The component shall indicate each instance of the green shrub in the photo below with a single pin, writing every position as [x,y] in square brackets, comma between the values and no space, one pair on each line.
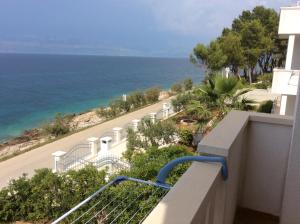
[152,94]
[181,101]
[137,99]
[265,107]
[149,135]
[264,81]
[186,136]
[47,195]
[59,126]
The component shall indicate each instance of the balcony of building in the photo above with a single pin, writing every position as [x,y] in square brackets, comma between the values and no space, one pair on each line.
[257,149]
[289,17]
[285,81]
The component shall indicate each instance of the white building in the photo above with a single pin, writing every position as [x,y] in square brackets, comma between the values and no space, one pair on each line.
[285,80]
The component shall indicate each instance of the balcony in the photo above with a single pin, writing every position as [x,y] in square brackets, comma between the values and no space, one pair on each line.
[289,17]
[285,81]
[256,147]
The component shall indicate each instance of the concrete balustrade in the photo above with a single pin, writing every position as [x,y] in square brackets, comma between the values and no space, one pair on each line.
[93,142]
[57,158]
[117,134]
[105,144]
[166,110]
[153,117]
[135,124]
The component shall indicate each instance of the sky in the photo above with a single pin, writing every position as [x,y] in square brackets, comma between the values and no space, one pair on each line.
[156,28]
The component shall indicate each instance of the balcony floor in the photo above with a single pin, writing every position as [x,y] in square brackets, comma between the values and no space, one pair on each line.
[247,216]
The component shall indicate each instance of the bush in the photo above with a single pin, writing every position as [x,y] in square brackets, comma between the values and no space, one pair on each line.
[149,135]
[152,94]
[264,81]
[266,107]
[188,84]
[137,99]
[59,126]
[47,195]
[181,101]
[186,136]
[176,88]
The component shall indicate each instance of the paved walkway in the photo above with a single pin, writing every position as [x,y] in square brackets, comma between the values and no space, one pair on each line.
[41,157]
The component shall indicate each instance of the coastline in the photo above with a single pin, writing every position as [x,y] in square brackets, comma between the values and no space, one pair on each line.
[34,138]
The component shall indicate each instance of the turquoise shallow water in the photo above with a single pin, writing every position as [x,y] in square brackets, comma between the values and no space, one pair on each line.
[35,87]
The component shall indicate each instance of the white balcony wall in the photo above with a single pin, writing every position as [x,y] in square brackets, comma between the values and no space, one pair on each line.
[285,81]
[256,147]
[289,21]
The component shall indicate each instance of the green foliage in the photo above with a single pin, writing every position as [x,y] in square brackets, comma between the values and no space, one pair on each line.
[152,94]
[181,101]
[59,126]
[265,107]
[149,135]
[210,56]
[198,110]
[232,47]
[137,99]
[176,88]
[252,40]
[186,136]
[147,164]
[188,84]
[47,195]
[264,81]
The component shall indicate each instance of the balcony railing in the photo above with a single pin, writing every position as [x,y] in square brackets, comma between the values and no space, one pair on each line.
[285,81]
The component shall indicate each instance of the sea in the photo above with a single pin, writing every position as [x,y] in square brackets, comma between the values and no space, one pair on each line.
[33,88]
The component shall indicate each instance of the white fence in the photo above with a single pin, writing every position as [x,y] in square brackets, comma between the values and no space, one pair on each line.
[99,150]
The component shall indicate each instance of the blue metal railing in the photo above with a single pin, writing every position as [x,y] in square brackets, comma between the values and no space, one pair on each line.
[159,183]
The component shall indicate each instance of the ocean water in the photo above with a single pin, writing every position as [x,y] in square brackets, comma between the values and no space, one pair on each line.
[35,87]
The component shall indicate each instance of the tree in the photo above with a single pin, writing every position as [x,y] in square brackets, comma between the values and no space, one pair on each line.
[252,40]
[253,43]
[232,47]
[211,56]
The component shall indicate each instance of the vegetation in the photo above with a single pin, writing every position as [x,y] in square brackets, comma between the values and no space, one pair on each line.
[176,88]
[264,81]
[134,101]
[265,107]
[149,135]
[186,136]
[48,195]
[188,84]
[252,40]
[59,126]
